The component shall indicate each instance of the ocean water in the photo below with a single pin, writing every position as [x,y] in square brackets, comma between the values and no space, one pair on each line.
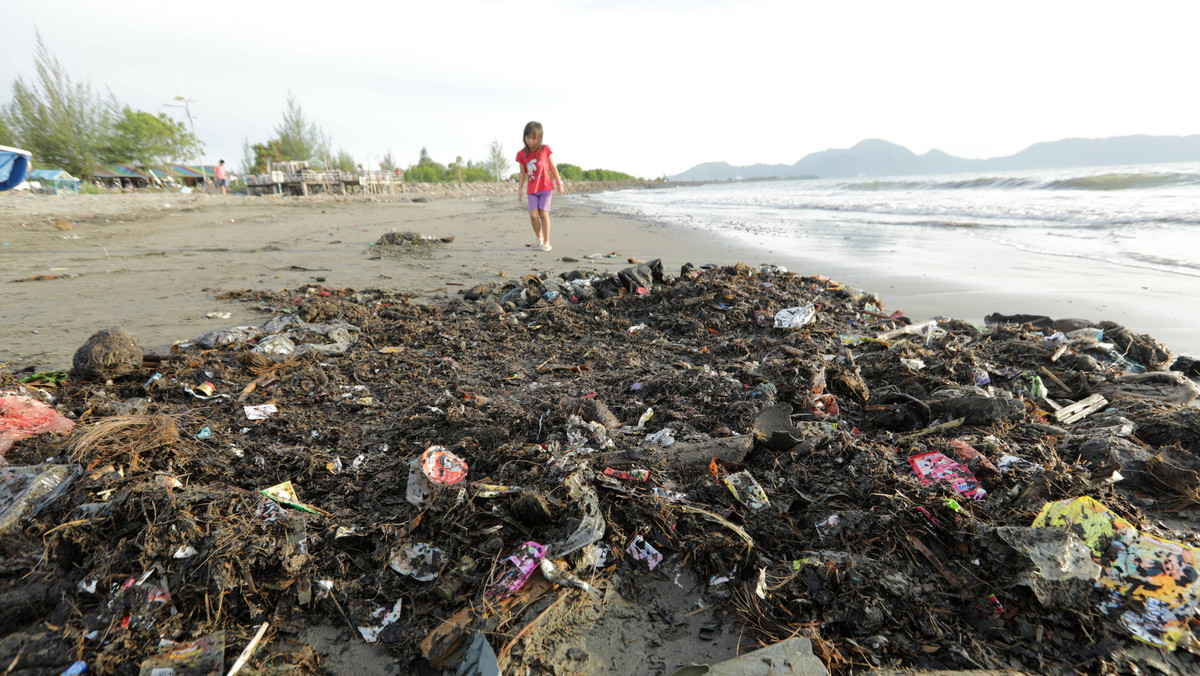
[1140,216]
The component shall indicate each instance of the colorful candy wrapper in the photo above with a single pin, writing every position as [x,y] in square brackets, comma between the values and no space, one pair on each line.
[517,569]
[631,475]
[934,466]
[442,466]
[641,550]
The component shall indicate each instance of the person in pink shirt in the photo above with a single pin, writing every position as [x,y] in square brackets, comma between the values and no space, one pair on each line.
[540,176]
[222,176]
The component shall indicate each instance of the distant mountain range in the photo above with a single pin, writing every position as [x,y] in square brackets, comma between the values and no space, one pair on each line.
[876,157]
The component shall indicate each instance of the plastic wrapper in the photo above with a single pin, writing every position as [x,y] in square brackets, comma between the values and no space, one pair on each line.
[203,657]
[517,568]
[794,317]
[22,416]
[435,467]
[747,491]
[285,494]
[442,466]
[591,520]
[1151,583]
[631,475]
[381,618]
[641,550]
[260,412]
[934,467]
[419,561]
[554,574]
[663,437]
[25,490]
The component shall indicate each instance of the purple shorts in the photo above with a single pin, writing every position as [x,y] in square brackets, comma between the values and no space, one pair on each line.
[540,201]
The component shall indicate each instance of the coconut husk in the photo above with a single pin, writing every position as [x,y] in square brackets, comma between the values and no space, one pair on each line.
[123,440]
[108,353]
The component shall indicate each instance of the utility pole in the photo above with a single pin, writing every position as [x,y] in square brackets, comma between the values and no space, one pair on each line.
[192,122]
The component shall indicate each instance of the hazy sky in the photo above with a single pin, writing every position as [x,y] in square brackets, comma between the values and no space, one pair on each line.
[649,88]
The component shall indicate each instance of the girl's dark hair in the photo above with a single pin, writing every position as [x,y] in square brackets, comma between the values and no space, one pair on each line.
[533,129]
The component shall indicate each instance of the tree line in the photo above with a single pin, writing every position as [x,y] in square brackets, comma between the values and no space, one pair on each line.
[570,172]
[494,168]
[68,125]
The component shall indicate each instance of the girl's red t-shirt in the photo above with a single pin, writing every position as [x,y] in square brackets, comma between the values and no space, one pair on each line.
[538,169]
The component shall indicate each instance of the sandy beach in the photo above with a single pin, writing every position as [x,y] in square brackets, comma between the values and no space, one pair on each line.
[155,264]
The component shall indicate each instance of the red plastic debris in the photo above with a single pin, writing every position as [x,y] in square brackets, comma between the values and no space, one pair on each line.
[22,416]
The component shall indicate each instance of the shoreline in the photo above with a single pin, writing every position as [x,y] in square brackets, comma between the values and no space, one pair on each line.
[155,264]
[954,274]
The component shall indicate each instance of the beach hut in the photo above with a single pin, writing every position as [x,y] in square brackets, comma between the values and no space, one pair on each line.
[120,176]
[188,175]
[50,181]
[14,164]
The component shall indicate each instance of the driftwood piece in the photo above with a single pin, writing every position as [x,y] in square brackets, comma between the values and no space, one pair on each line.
[1081,409]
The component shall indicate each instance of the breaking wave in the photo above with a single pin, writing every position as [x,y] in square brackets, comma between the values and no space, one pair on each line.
[1107,181]
[1145,216]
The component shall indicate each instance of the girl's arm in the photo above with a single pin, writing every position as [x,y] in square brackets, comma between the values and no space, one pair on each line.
[562,187]
[521,187]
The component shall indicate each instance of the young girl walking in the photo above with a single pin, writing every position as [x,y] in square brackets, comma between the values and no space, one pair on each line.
[539,174]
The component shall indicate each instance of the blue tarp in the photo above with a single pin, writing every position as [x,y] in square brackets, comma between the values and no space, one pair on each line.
[51,174]
[53,180]
[13,166]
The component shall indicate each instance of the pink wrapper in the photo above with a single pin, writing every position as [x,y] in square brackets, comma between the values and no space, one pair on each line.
[517,569]
[931,467]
